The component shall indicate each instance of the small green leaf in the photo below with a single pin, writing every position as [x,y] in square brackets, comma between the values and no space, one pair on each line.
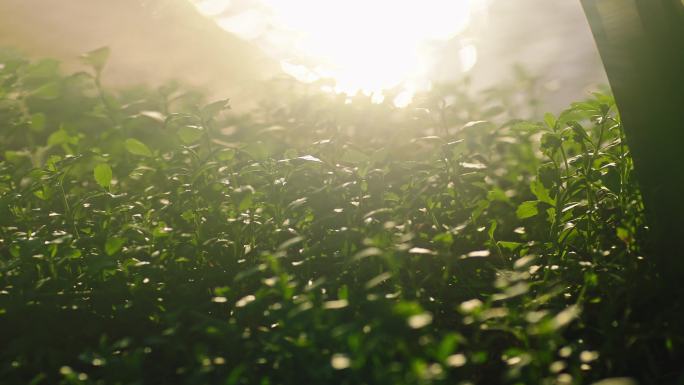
[448,345]
[38,122]
[61,137]
[526,127]
[509,245]
[541,192]
[258,150]
[551,141]
[162,230]
[497,194]
[17,156]
[245,202]
[527,209]
[43,70]
[96,58]
[113,245]
[578,130]
[212,109]
[226,154]
[407,308]
[48,91]
[492,229]
[103,175]
[623,234]
[190,134]
[352,155]
[343,292]
[550,120]
[445,238]
[136,147]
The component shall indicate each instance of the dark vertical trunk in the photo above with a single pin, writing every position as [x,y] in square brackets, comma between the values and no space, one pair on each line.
[641,43]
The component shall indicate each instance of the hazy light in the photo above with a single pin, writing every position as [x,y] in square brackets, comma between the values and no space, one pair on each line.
[364,45]
[404,98]
[468,56]
[212,7]
[249,24]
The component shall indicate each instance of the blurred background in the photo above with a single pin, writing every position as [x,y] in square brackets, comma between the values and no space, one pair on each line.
[361,46]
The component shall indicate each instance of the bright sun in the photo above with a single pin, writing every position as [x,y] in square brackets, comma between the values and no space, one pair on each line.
[363,45]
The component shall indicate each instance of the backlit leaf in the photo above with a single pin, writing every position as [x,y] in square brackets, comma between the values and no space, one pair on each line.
[96,58]
[190,134]
[114,245]
[103,175]
[137,147]
[527,209]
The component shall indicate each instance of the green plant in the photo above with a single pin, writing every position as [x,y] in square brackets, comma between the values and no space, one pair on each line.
[149,237]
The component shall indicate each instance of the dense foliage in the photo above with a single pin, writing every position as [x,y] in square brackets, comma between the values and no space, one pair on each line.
[149,237]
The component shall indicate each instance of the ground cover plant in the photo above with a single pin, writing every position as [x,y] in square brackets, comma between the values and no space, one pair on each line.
[151,236]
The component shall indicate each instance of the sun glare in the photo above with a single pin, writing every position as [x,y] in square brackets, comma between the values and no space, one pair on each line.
[365,46]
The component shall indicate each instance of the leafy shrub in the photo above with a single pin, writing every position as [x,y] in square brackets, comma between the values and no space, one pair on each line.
[149,237]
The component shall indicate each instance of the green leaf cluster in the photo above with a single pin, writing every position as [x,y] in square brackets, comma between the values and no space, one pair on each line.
[153,236]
